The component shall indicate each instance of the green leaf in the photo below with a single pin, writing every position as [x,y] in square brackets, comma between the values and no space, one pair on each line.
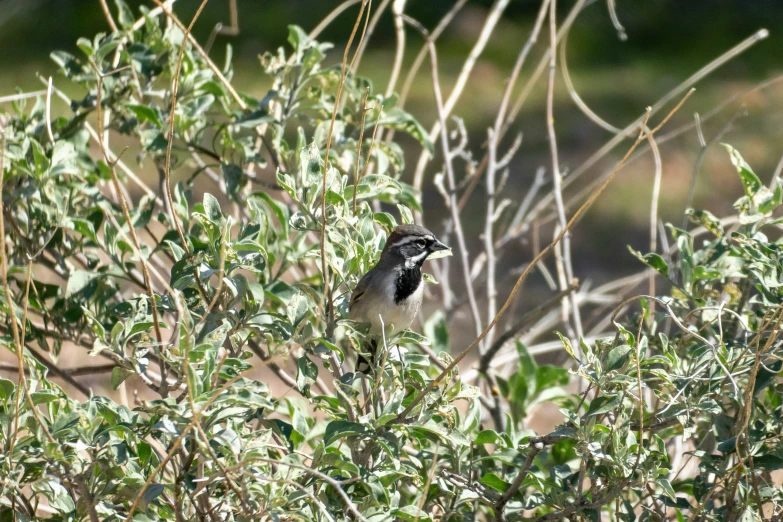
[617,357]
[198,106]
[125,15]
[750,181]
[145,114]
[728,445]
[702,272]
[493,481]
[398,119]
[306,374]
[667,487]
[768,462]
[766,376]
[406,216]
[212,208]
[44,396]
[6,388]
[412,513]
[603,405]
[152,492]
[234,179]
[567,346]
[182,273]
[707,220]
[118,376]
[143,212]
[548,376]
[653,260]
[78,281]
[339,429]
[527,364]
[297,37]
[487,437]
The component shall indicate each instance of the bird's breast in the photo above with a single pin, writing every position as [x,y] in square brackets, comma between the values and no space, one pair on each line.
[408,283]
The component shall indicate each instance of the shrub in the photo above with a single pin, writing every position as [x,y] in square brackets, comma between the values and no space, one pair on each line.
[179,292]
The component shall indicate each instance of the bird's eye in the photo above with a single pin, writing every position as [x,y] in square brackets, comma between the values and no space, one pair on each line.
[420,243]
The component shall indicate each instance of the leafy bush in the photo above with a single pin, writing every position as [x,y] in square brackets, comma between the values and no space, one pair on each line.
[178,292]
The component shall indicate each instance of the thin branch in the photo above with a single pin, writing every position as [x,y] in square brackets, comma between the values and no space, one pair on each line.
[518,285]
[64,375]
[705,145]
[172,120]
[545,202]
[10,302]
[399,27]
[359,148]
[126,213]
[178,441]
[367,32]
[280,372]
[21,96]
[49,112]
[448,166]
[419,60]
[621,34]
[338,486]
[328,19]
[329,305]
[500,505]
[109,17]
[656,192]
[491,21]
[531,317]
[565,268]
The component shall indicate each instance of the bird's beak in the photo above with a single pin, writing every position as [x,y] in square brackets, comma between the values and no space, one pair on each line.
[438,250]
[437,246]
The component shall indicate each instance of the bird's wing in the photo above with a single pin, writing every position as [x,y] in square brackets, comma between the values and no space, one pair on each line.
[358,292]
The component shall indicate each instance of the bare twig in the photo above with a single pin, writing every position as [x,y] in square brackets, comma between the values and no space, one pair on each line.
[448,165]
[21,96]
[109,17]
[524,321]
[419,60]
[397,9]
[705,145]
[328,19]
[172,120]
[359,149]
[621,34]
[500,119]
[732,53]
[49,111]
[656,192]
[517,287]
[486,31]
[328,304]
[565,268]
[126,214]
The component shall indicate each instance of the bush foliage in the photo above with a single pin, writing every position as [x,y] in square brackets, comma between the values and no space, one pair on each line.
[183,292]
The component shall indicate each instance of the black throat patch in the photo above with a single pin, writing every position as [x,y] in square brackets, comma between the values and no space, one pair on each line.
[408,281]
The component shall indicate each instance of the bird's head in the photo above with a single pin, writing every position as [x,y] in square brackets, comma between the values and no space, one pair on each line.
[412,243]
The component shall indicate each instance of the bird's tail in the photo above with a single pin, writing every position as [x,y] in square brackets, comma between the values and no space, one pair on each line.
[363,364]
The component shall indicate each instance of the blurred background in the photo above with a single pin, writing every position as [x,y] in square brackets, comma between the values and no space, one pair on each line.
[616,74]
[667,41]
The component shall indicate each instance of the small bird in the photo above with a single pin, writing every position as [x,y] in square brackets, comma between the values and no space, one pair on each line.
[392,289]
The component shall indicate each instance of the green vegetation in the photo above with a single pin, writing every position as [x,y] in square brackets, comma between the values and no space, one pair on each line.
[186,288]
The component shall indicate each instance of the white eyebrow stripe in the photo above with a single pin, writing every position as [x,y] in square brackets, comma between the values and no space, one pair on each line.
[410,239]
[405,241]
